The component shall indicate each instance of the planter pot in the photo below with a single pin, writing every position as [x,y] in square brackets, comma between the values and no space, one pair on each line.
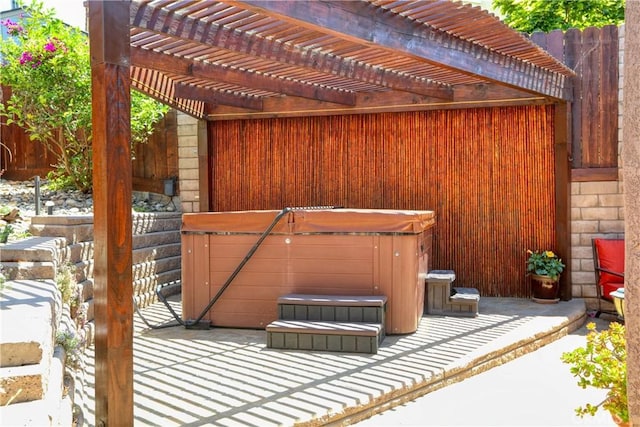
[619,422]
[618,301]
[544,289]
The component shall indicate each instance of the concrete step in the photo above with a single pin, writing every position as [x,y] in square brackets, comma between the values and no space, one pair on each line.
[29,312]
[53,409]
[324,336]
[79,228]
[33,249]
[28,270]
[74,229]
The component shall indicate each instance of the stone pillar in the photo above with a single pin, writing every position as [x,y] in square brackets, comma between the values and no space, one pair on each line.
[188,163]
[631,173]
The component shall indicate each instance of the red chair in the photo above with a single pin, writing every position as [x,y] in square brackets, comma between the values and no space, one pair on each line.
[608,260]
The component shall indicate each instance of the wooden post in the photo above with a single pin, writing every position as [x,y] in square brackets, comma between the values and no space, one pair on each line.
[111,102]
[563,195]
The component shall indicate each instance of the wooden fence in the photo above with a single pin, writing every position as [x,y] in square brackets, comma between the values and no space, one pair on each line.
[153,162]
[157,159]
[593,55]
[487,173]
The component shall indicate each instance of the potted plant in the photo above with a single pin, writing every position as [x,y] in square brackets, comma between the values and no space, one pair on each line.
[602,363]
[545,268]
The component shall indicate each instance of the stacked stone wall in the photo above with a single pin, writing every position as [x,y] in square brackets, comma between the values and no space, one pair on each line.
[189,179]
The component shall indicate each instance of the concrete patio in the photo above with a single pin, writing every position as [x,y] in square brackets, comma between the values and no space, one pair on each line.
[228,377]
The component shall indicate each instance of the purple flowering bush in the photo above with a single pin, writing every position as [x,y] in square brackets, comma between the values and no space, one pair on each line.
[46,65]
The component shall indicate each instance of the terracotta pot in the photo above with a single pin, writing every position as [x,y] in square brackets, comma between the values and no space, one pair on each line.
[619,422]
[544,289]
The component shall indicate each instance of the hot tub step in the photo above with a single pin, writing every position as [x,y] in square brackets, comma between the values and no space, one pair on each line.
[444,299]
[325,336]
[332,308]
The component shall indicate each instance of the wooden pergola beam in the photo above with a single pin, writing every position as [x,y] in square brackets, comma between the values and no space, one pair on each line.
[215,97]
[112,183]
[467,96]
[145,58]
[362,22]
[161,21]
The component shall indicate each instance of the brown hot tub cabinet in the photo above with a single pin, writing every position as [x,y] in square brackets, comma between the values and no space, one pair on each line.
[326,252]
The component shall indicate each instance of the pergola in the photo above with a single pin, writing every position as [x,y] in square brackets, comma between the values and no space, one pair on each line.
[220,60]
[240,59]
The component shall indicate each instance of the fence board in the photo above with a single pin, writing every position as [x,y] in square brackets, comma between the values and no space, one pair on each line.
[487,173]
[593,55]
[154,161]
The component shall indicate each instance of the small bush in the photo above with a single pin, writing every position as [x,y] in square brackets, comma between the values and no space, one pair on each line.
[67,284]
[602,363]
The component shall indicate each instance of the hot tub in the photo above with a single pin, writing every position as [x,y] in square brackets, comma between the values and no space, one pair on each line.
[328,252]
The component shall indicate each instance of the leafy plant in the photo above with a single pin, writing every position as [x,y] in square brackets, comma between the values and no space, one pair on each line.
[544,263]
[3,278]
[46,65]
[4,234]
[67,284]
[602,363]
[547,15]
[72,347]
[22,234]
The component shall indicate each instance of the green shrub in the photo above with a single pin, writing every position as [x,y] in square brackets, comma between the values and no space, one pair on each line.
[602,363]
[5,232]
[67,284]
[46,64]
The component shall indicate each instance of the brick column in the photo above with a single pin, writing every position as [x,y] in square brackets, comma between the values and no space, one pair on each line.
[188,163]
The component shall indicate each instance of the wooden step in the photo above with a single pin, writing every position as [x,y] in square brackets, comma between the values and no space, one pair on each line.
[325,336]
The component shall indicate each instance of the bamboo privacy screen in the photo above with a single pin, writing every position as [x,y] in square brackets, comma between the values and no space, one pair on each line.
[487,173]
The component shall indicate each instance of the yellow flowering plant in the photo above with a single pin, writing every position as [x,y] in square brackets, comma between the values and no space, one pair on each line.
[602,363]
[544,263]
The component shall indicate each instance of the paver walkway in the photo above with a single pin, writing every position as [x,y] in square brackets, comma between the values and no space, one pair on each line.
[228,377]
[536,389]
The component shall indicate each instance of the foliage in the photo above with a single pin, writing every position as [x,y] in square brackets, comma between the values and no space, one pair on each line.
[547,15]
[4,233]
[602,364]
[22,235]
[544,263]
[67,284]
[46,64]
[72,345]
[3,278]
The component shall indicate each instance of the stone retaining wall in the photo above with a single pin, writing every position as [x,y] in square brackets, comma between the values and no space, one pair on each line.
[33,263]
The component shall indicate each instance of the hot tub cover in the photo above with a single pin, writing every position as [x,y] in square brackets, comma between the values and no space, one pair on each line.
[311,221]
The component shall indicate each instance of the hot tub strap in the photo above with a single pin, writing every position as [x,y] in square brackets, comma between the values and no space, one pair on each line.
[247,257]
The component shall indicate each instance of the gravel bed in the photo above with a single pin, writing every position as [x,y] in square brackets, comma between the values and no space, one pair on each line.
[20,195]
